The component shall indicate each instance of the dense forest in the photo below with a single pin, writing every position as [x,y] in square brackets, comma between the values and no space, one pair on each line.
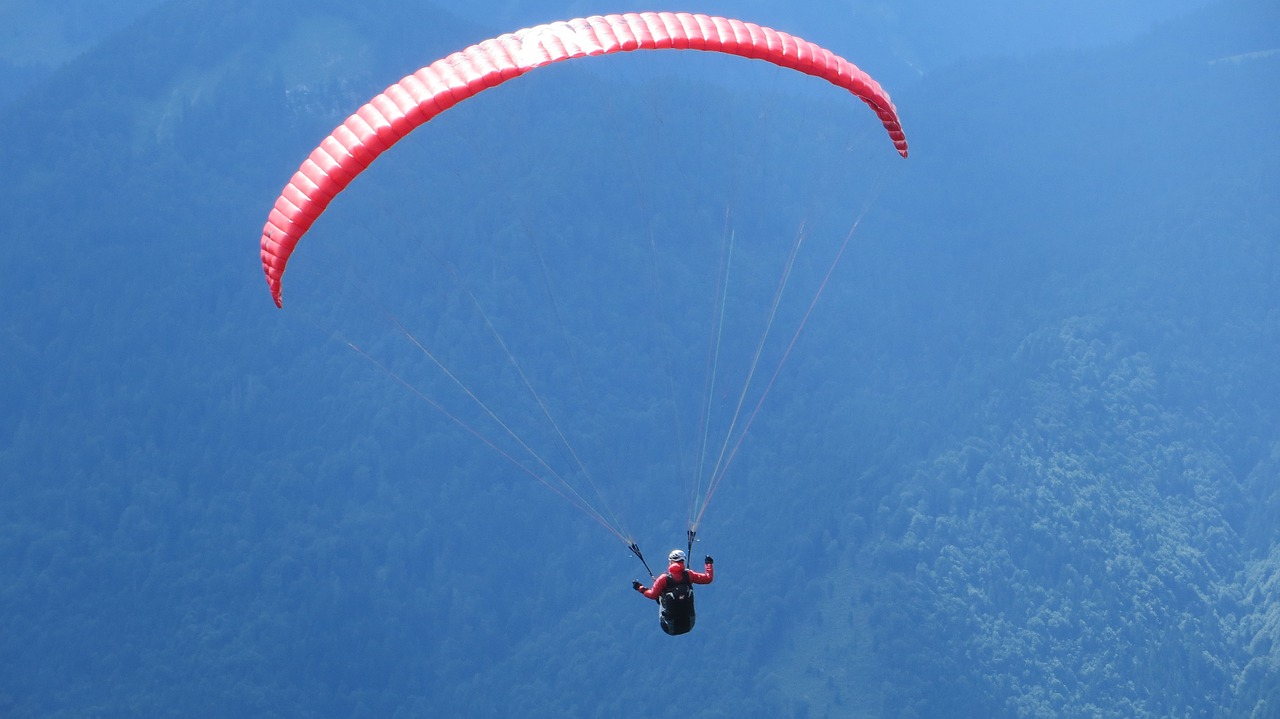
[1024,460]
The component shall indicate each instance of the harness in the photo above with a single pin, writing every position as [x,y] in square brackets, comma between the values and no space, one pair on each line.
[677,593]
[676,612]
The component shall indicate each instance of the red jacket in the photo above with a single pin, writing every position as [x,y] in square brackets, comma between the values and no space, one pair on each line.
[677,572]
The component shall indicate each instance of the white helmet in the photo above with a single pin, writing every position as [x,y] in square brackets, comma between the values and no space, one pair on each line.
[677,555]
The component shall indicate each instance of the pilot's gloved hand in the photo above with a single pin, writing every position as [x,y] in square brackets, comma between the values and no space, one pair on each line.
[637,586]
[709,560]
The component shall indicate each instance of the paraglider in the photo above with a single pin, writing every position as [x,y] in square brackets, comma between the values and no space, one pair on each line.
[417,98]
[673,590]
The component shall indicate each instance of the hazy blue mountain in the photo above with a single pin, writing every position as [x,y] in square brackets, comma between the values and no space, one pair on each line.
[36,37]
[1023,460]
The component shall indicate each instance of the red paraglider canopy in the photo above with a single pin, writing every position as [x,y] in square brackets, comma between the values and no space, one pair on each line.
[416,99]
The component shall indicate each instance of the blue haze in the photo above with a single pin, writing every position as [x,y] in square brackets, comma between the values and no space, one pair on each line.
[1024,460]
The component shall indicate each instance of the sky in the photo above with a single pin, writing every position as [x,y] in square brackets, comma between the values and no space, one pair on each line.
[45,33]
[899,40]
